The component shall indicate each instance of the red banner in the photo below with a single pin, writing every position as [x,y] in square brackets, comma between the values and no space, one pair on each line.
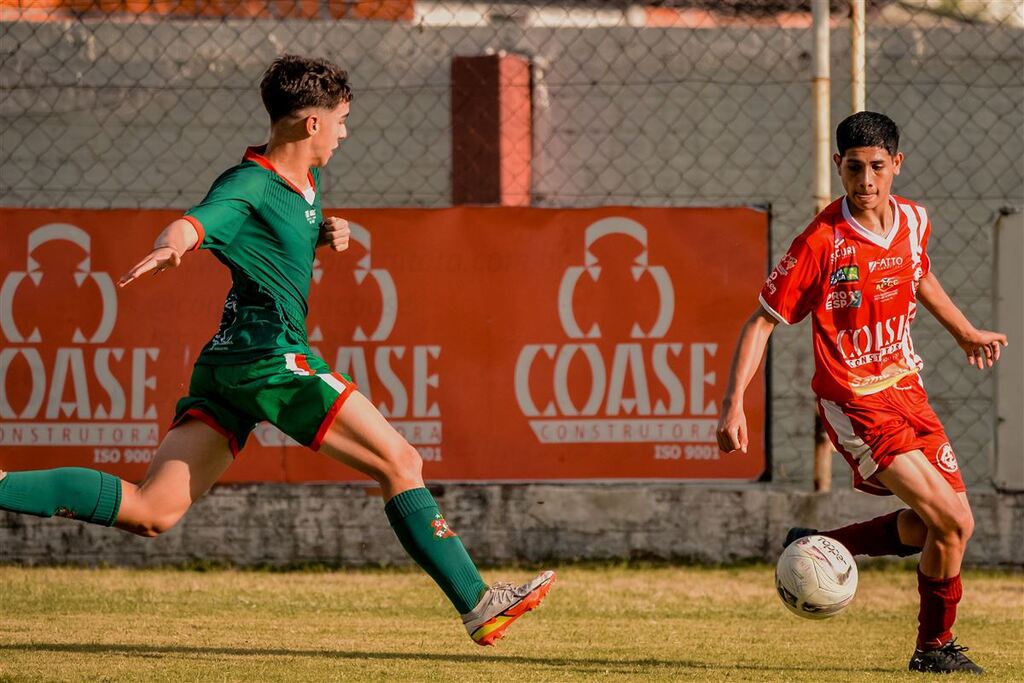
[506,344]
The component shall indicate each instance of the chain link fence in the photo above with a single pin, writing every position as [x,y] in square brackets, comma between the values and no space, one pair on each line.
[135,103]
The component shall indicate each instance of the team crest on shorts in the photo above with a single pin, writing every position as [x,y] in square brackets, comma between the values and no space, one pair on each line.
[442,530]
[947,459]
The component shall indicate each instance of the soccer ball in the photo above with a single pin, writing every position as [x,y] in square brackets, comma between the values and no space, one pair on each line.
[816,577]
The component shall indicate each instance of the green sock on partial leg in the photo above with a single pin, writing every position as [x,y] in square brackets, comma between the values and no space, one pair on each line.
[74,492]
[429,540]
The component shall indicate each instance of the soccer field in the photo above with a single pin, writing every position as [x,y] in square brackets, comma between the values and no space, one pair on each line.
[603,623]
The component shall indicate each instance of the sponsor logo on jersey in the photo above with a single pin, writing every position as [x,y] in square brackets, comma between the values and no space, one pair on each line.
[311,216]
[786,264]
[947,459]
[887,263]
[843,298]
[843,252]
[887,283]
[872,343]
[844,274]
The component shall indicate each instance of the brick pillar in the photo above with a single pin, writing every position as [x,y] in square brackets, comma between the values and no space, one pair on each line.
[492,140]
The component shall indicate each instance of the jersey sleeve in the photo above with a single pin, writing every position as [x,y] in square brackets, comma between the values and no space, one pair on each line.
[794,285]
[234,196]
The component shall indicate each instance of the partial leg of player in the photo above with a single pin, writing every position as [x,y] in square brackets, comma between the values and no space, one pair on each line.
[947,517]
[187,463]
[361,438]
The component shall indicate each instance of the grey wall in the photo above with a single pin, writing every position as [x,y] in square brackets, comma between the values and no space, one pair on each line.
[286,524]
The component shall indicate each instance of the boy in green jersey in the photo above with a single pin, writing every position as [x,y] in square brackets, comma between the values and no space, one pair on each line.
[262,219]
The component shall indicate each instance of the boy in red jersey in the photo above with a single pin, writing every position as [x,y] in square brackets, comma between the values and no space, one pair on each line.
[859,269]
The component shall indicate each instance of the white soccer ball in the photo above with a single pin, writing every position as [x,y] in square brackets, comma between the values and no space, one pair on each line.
[816,577]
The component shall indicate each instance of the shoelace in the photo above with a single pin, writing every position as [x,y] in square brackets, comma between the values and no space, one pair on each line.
[953,650]
[505,586]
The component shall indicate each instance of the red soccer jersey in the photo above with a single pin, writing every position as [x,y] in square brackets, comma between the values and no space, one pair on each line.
[861,289]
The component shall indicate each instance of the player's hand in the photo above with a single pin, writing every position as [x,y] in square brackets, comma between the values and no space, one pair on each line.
[334,233]
[732,430]
[161,258]
[982,347]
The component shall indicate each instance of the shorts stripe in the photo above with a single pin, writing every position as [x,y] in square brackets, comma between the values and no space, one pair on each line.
[333,382]
[848,439]
[211,422]
[296,362]
[344,389]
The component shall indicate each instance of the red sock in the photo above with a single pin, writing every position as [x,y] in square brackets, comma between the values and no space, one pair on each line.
[939,598]
[875,537]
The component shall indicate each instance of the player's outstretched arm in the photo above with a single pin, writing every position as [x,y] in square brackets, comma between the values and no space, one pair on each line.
[732,426]
[334,233]
[173,242]
[981,346]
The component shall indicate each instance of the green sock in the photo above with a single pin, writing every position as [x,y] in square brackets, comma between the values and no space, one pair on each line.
[429,540]
[74,492]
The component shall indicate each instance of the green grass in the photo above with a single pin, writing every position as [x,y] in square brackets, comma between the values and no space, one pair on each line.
[599,623]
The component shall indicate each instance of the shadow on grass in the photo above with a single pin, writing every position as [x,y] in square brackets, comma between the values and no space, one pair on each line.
[581,664]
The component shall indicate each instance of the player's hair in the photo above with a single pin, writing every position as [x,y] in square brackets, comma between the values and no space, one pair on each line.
[292,83]
[868,129]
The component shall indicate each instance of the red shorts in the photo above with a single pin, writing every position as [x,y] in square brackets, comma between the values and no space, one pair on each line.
[872,430]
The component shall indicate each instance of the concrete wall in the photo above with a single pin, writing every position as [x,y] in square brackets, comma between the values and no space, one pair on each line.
[336,524]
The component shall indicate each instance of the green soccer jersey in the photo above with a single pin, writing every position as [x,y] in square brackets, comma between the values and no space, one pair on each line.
[264,229]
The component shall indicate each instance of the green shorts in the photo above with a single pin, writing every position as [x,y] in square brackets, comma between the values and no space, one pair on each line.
[296,393]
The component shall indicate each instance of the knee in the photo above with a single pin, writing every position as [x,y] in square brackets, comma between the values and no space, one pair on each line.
[954,526]
[403,462]
[153,525]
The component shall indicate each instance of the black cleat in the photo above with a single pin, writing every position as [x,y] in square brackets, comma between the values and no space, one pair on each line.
[797,532]
[949,658]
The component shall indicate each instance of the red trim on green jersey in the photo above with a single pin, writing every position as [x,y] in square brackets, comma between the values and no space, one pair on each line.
[350,388]
[199,230]
[255,155]
[211,422]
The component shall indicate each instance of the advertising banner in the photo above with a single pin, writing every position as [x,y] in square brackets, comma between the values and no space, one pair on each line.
[505,344]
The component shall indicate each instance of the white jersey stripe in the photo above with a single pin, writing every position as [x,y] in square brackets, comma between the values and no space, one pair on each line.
[848,439]
[912,225]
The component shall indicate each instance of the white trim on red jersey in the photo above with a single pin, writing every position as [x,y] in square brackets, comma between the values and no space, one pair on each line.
[775,314]
[882,241]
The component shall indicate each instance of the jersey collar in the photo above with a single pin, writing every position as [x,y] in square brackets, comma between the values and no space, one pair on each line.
[871,235]
[255,155]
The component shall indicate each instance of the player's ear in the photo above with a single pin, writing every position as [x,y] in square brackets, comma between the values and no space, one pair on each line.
[897,162]
[313,124]
[838,162]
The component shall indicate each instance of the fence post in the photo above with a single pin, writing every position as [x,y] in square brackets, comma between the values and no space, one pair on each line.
[858,59]
[1008,471]
[822,193]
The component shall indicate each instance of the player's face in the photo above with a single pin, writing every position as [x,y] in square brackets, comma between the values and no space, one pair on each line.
[867,174]
[328,129]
